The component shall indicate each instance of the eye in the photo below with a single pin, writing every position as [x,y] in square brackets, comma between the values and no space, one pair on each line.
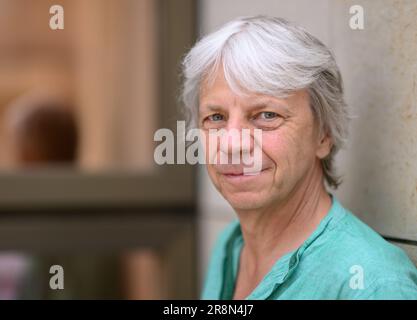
[267,120]
[215,117]
[215,120]
[267,115]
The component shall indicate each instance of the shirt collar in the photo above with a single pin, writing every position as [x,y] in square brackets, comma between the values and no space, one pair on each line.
[284,266]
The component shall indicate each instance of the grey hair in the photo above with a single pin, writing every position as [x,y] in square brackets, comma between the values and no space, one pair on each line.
[271,56]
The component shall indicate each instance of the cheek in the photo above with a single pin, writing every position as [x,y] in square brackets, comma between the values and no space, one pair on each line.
[288,149]
[276,147]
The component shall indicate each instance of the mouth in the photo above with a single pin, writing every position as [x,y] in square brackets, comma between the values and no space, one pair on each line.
[242,177]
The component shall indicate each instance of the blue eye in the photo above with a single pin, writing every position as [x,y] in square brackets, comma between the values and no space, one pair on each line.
[267,115]
[215,117]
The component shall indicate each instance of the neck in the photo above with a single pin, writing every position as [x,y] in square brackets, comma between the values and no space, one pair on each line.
[271,232]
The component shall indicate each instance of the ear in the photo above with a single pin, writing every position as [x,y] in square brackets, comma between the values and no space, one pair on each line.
[324,146]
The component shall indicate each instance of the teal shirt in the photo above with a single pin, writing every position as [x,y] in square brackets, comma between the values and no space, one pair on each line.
[342,259]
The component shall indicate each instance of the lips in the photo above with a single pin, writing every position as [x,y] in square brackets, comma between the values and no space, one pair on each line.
[230,170]
[236,171]
[243,181]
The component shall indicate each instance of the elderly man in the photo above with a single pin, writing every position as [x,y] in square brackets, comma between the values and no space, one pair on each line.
[292,239]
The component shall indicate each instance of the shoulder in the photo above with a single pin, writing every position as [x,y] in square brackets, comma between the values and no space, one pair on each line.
[386,288]
[223,238]
[214,274]
[364,263]
[360,243]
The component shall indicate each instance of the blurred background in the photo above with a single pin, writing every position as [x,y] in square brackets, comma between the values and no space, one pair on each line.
[78,110]
[78,184]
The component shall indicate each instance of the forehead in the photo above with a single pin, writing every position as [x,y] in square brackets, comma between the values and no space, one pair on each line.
[217,93]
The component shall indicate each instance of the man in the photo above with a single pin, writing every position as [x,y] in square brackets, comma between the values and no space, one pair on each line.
[292,238]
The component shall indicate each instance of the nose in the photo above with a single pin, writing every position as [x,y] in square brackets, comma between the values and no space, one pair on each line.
[235,141]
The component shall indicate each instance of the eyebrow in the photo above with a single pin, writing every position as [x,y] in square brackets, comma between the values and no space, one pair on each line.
[264,103]
[213,107]
[257,105]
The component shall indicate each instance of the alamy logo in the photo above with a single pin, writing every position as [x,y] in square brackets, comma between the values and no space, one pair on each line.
[215,146]
[357,279]
[56,282]
[56,22]
[357,20]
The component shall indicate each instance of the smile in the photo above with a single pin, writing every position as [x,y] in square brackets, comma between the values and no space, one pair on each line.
[238,178]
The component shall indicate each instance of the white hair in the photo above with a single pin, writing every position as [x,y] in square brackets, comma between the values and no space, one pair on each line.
[271,56]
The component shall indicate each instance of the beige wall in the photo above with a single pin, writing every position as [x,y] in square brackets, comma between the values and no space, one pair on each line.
[379,66]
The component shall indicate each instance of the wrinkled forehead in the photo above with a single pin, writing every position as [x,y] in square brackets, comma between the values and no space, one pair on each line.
[217,84]
[216,92]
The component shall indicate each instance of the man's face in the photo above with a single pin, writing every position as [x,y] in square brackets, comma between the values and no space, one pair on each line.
[291,143]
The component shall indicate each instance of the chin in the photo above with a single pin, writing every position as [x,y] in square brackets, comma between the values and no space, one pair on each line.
[246,200]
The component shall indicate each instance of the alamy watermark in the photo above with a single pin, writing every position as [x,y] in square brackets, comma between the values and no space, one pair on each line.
[56,282]
[357,279]
[56,22]
[213,146]
[357,20]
